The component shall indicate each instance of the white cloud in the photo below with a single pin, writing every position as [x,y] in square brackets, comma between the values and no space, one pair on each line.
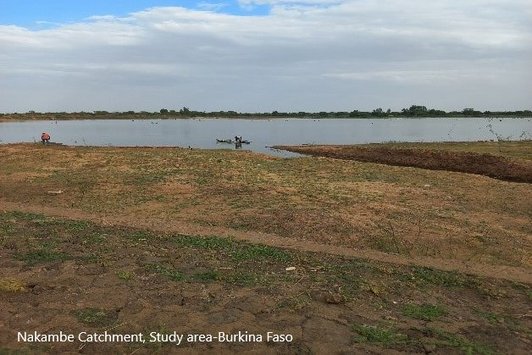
[304,55]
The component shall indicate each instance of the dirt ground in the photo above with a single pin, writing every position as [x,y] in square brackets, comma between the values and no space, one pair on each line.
[345,256]
[75,276]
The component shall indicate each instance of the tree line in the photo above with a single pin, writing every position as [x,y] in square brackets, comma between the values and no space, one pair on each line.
[185,112]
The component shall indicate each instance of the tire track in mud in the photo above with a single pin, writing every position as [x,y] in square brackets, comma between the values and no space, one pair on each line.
[510,273]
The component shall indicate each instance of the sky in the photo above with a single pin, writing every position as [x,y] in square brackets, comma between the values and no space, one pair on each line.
[264,55]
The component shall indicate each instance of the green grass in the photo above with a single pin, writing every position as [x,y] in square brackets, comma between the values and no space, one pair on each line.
[243,278]
[139,236]
[447,339]
[239,251]
[427,312]
[425,276]
[171,273]
[43,256]
[207,276]
[379,335]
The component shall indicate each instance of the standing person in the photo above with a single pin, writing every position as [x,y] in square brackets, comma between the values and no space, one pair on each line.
[45,138]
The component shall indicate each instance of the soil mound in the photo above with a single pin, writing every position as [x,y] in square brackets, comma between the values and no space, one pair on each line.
[493,166]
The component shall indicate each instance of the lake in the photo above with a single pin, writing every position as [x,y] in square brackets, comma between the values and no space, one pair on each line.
[202,133]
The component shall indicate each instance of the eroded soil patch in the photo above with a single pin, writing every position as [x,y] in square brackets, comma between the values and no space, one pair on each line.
[494,166]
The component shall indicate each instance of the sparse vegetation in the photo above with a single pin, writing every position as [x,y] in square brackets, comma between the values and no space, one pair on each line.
[379,335]
[170,253]
[426,312]
[96,317]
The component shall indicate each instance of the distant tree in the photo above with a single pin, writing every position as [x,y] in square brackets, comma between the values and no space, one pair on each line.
[415,110]
[163,111]
[378,112]
[471,112]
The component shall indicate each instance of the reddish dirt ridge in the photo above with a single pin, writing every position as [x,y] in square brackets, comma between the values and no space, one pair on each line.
[493,166]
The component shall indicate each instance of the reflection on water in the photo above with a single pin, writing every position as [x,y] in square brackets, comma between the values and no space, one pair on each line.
[203,133]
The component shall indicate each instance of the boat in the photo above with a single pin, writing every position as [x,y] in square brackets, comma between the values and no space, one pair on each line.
[231,141]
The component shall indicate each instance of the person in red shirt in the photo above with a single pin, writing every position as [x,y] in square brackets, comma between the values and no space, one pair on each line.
[45,138]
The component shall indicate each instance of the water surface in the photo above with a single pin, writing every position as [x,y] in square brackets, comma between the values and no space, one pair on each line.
[202,133]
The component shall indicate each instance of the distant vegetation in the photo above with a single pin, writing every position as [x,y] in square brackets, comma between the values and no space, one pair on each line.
[412,111]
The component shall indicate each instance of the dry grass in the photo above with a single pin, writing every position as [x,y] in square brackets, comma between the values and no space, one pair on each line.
[408,211]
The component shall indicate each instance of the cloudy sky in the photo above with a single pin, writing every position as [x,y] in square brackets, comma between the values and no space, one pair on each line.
[265,55]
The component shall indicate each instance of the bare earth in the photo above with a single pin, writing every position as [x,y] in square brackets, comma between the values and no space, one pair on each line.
[371,245]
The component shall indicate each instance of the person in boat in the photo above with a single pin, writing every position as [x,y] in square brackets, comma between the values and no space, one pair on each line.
[45,138]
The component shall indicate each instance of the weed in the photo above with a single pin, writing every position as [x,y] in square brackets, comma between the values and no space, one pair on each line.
[455,341]
[166,271]
[77,226]
[124,275]
[207,276]
[387,241]
[254,252]
[295,303]
[95,238]
[239,251]
[424,275]
[43,256]
[427,312]
[379,335]
[242,278]
[96,317]
[139,236]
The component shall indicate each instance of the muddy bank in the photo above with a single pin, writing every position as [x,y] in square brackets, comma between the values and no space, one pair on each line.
[498,167]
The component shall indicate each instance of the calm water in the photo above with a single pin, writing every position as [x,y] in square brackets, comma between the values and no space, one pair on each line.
[202,133]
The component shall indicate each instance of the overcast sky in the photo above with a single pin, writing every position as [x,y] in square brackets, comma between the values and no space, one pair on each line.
[265,55]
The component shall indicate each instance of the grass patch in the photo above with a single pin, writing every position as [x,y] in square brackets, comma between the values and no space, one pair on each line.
[455,341]
[243,278]
[424,275]
[124,275]
[96,317]
[171,273]
[76,226]
[139,236]
[207,276]
[427,312]
[239,251]
[43,256]
[95,238]
[379,335]
[254,252]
